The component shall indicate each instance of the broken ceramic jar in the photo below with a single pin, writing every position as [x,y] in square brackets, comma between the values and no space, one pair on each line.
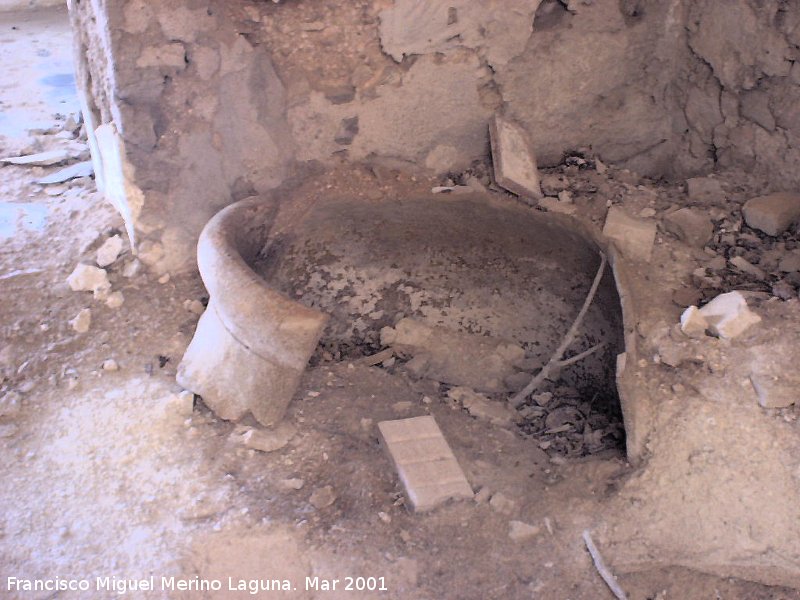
[252,343]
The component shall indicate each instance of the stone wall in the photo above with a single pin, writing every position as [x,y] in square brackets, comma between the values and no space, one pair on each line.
[740,87]
[203,103]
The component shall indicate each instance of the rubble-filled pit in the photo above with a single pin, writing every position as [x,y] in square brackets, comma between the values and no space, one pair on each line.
[470,291]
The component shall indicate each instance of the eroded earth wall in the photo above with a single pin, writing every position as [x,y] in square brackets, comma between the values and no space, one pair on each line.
[214,101]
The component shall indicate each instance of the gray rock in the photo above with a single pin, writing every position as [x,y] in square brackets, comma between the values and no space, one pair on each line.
[481,407]
[745,266]
[773,214]
[689,225]
[268,440]
[553,183]
[520,531]
[322,497]
[703,190]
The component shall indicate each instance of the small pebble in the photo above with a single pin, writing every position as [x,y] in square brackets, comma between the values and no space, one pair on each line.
[110,365]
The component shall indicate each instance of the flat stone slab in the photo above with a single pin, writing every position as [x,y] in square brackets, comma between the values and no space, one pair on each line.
[513,159]
[427,466]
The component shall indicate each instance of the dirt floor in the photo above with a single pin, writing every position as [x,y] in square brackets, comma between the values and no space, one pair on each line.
[106,475]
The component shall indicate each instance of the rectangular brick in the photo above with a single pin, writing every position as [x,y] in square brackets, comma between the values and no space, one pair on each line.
[425,463]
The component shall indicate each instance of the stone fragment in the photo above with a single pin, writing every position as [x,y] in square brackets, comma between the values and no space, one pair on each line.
[450,356]
[483,495]
[783,290]
[110,365]
[481,407]
[115,300]
[109,252]
[553,183]
[647,212]
[150,252]
[322,497]
[689,225]
[87,278]
[502,504]
[634,237]
[693,323]
[82,321]
[771,392]
[790,263]
[702,190]
[41,159]
[81,169]
[514,161]
[520,531]
[774,213]
[728,315]
[743,265]
[10,404]
[182,403]
[425,463]
[7,430]
[442,158]
[556,206]
[294,483]
[268,440]
[194,306]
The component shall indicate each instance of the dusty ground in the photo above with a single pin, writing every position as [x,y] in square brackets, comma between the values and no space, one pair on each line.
[103,476]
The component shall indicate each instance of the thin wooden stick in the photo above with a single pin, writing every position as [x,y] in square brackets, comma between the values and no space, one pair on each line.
[601,567]
[579,357]
[519,398]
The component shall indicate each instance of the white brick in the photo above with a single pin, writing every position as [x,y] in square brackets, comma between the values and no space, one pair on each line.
[425,463]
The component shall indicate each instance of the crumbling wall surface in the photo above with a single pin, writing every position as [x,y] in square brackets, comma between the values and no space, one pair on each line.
[417,80]
[740,88]
[598,76]
[196,112]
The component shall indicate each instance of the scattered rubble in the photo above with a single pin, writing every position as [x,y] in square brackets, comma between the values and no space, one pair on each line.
[432,353]
[322,497]
[81,169]
[481,407]
[515,166]
[83,321]
[194,306]
[108,253]
[689,225]
[41,159]
[773,214]
[115,300]
[502,504]
[88,278]
[294,483]
[520,531]
[728,315]
[266,440]
[705,190]
[427,467]
[183,403]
